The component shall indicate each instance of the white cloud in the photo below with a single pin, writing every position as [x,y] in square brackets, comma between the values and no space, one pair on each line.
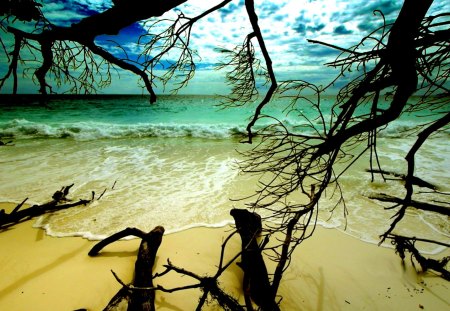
[58,13]
[97,5]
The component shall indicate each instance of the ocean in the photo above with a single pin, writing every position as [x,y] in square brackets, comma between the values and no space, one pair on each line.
[174,163]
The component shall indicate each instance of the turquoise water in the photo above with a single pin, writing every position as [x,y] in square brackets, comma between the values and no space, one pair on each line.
[174,164]
[122,117]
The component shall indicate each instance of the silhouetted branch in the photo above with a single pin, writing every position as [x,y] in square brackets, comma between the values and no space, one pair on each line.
[444,210]
[59,58]
[208,285]
[58,202]
[140,294]
[256,282]
[415,180]
[13,65]
[410,158]
[407,244]
[143,277]
[291,160]
[244,69]
[250,7]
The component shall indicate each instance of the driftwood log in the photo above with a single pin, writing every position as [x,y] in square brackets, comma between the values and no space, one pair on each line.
[414,179]
[208,284]
[140,295]
[256,281]
[59,202]
[137,299]
[444,210]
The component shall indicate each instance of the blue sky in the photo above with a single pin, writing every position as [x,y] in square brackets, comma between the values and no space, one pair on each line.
[286,25]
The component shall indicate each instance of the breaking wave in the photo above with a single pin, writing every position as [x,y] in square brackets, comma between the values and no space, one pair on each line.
[24,129]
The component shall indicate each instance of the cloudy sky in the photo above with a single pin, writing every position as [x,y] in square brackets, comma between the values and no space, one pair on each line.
[286,25]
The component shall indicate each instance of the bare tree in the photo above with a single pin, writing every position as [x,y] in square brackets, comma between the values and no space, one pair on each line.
[408,56]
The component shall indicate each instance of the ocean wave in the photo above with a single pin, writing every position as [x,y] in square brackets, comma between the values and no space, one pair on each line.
[85,131]
[410,128]
[24,129]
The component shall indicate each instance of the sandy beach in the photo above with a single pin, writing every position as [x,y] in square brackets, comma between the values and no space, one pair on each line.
[330,271]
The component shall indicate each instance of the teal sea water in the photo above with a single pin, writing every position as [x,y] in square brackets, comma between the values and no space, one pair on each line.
[174,164]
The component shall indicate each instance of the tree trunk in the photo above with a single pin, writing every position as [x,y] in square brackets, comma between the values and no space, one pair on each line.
[137,299]
[256,281]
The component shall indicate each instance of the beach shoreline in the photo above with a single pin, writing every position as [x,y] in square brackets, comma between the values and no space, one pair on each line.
[167,164]
[330,271]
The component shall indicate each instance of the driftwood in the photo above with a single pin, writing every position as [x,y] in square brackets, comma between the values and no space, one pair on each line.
[140,295]
[208,284]
[444,210]
[136,299]
[406,244]
[256,281]
[414,180]
[59,201]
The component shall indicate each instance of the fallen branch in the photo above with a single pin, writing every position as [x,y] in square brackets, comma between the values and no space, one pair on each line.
[444,210]
[139,299]
[207,284]
[58,202]
[140,295]
[414,180]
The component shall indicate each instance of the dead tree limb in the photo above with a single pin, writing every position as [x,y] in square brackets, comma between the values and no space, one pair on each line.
[444,210]
[253,17]
[407,244]
[53,42]
[414,179]
[410,159]
[207,284]
[256,281]
[140,295]
[115,237]
[58,202]
[150,242]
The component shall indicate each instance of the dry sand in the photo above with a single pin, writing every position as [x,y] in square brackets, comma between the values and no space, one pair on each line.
[330,271]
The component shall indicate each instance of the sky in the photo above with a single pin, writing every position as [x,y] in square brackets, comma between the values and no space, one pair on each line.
[285,24]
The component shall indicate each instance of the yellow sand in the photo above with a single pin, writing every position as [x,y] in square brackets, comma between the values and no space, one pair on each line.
[330,271]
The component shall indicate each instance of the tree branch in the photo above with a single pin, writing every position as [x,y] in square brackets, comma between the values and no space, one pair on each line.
[409,180]
[57,203]
[444,210]
[109,22]
[250,6]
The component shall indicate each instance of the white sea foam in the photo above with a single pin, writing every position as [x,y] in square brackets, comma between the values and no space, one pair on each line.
[158,183]
[24,129]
